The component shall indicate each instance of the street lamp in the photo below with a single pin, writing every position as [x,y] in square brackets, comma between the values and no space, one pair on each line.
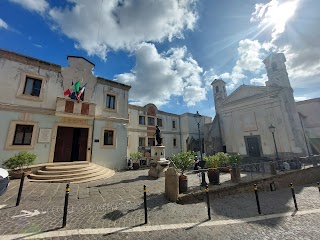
[202,163]
[272,130]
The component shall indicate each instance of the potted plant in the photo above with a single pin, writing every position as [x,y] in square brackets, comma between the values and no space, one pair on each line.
[213,162]
[224,165]
[234,161]
[19,163]
[183,161]
[136,157]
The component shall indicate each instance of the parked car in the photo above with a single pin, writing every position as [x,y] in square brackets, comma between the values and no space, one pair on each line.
[4,180]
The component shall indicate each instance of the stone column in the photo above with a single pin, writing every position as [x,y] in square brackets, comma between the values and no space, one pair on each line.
[171,184]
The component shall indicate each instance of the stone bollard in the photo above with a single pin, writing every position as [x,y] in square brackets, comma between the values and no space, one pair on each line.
[235,174]
[171,184]
[273,167]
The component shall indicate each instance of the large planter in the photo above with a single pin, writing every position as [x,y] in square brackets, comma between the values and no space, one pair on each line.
[183,184]
[235,174]
[17,174]
[135,166]
[214,176]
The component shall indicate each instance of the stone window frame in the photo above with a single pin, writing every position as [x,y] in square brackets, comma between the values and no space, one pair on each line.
[144,120]
[174,142]
[11,133]
[139,141]
[23,80]
[160,121]
[174,125]
[154,121]
[114,145]
[115,102]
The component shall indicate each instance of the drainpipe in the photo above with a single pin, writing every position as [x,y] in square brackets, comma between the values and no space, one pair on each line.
[92,140]
[180,133]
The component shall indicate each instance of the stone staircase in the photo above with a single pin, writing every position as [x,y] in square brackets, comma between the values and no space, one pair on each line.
[75,172]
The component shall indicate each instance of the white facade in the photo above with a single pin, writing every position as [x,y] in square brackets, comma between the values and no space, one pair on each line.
[243,118]
[102,128]
[41,116]
[177,131]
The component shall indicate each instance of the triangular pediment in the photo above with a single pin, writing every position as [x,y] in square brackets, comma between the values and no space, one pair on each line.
[244,93]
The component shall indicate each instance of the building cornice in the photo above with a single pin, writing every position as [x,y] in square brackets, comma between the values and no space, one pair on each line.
[12,56]
[108,82]
[19,108]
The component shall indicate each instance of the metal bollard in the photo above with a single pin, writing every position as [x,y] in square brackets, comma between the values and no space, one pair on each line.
[294,196]
[65,209]
[20,190]
[208,201]
[318,186]
[145,204]
[257,197]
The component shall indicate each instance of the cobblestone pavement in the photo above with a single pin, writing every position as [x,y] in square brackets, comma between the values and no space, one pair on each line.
[118,203]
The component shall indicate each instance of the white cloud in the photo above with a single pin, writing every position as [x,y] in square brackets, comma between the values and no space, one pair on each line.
[275,13]
[260,80]
[39,6]
[296,34]
[98,27]
[251,54]
[3,24]
[302,98]
[157,77]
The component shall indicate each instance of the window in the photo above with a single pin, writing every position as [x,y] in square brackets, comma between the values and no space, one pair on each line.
[151,142]
[32,87]
[23,135]
[108,137]
[142,120]
[151,121]
[217,89]
[174,142]
[274,66]
[159,122]
[111,101]
[224,88]
[173,124]
[142,142]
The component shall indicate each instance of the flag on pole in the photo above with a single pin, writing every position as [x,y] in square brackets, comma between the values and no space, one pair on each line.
[81,91]
[77,87]
[69,90]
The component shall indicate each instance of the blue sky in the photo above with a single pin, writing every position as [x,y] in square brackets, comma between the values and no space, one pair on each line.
[170,51]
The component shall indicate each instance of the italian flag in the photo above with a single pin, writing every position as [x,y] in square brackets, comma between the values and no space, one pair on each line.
[74,87]
[81,91]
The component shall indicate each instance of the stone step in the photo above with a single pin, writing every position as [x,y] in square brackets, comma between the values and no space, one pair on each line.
[65,167]
[68,163]
[97,171]
[65,171]
[75,173]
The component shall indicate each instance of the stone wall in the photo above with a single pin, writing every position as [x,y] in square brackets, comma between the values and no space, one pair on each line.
[300,177]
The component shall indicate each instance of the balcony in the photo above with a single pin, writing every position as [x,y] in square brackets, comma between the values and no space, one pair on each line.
[75,109]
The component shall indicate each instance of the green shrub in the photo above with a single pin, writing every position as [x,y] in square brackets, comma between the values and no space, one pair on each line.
[136,156]
[183,160]
[235,159]
[212,161]
[20,160]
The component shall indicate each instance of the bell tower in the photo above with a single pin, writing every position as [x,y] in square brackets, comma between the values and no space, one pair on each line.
[277,71]
[219,92]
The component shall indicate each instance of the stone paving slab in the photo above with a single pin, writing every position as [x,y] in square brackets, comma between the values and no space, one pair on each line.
[118,202]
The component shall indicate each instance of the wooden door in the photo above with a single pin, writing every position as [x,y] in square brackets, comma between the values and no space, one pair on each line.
[253,146]
[83,144]
[63,148]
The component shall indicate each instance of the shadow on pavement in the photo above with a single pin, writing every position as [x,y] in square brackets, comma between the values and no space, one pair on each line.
[139,178]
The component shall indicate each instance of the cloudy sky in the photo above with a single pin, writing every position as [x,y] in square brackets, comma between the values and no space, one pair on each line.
[170,51]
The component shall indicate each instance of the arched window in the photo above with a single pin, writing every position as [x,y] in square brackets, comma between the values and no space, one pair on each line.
[224,88]
[217,89]
[274,66]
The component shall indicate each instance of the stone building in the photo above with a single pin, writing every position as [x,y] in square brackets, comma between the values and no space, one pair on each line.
[101,128]
[242,121]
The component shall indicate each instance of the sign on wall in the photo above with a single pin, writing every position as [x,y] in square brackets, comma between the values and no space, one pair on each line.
[44,135]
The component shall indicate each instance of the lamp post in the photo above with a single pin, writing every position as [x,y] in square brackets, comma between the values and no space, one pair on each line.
[272,130]
[201,163]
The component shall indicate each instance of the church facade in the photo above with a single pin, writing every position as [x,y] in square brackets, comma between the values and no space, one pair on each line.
[263,121]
